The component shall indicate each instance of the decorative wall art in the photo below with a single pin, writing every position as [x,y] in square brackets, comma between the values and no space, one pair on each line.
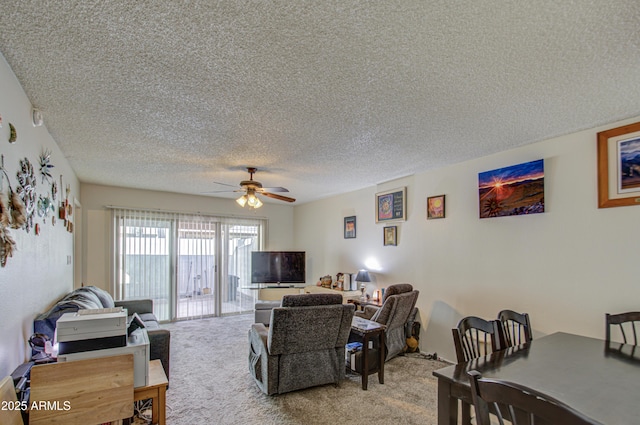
[13,134]
[619,166]
[391,205]
[435,207]
[27,190]
[390,236]
[12,214]
[22,207]
[46,166]
[350,227]
[514,190]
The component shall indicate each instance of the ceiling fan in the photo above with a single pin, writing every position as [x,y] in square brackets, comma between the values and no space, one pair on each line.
[253,187]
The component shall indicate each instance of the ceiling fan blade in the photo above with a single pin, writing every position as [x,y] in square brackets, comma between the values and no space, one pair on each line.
[273,189]
[279,197]
[222,191]
[225,184]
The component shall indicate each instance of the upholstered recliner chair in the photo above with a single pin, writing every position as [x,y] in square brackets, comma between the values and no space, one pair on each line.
[303,346]
[398,307]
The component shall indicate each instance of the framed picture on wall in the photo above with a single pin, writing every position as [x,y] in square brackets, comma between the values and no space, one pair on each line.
[513,190]
[391,205]
[435,207]
[350,227]
[619,166]
[391,236]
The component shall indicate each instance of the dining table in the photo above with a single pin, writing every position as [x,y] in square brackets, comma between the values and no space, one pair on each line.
[599,379]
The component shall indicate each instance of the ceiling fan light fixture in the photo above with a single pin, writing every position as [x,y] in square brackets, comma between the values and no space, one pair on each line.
[252,187]
[249,199]
[242,200]
[252,200]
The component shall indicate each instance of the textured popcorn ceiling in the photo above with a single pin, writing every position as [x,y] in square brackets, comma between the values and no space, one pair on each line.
[324,97]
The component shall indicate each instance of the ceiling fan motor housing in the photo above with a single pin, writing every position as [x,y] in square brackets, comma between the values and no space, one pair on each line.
[251,183]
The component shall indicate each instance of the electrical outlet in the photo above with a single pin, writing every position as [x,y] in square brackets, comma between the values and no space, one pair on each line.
[68,260]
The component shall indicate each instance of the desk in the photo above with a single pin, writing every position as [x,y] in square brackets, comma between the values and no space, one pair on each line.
[156,391]
[576,370]
[368,329]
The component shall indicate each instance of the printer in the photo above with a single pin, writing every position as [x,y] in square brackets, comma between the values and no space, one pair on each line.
[94,334]
[88,330]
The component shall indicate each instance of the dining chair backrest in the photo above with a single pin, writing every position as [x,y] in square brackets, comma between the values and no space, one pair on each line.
[519,405]
[475,337]
[627,323]
[516,328]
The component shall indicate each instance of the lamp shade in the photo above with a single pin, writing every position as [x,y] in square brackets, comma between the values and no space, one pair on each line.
[363,276]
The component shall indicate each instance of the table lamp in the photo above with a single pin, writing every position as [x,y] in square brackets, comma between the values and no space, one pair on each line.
[363,276]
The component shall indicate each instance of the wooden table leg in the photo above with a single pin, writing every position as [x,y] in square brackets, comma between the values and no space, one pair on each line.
[381,358]
[447,404]
[365,361]
[154,410]
[162,417]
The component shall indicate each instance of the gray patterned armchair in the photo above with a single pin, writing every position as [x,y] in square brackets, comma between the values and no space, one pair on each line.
[398,308]
[303,346]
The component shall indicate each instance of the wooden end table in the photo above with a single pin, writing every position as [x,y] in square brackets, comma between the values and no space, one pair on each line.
[156,391]
[368,329]
[361,304]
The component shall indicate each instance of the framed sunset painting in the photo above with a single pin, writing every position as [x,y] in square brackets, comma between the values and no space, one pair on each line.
[514,190]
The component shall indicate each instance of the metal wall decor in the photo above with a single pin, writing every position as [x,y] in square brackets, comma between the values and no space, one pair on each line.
[46,166]
[45,206]
[27,190]
[18,210]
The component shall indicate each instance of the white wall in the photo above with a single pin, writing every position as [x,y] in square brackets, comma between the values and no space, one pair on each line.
[96,221]
[38,274]
[566,267]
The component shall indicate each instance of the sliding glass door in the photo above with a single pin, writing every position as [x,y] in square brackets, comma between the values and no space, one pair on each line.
[143,262]
[197,277]
[191,266]
[239,241]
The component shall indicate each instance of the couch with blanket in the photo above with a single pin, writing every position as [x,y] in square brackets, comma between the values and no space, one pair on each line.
[91,297]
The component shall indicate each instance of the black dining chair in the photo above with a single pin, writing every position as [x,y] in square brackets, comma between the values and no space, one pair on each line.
[519,405]
[474,337]
[516,328]
[626,323]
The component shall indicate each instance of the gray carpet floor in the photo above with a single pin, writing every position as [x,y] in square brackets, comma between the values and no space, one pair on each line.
[211,384]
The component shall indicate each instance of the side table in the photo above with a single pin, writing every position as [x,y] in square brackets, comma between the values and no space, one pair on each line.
[361,304]
[156,391]
[367,330]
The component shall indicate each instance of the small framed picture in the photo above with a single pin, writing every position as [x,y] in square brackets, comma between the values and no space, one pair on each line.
[435,207]
[391,205]
[350,227]
[391,236]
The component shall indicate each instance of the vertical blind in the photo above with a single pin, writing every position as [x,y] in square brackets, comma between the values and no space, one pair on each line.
[190,265]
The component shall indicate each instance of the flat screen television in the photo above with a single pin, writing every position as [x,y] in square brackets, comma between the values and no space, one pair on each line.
[278,267]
